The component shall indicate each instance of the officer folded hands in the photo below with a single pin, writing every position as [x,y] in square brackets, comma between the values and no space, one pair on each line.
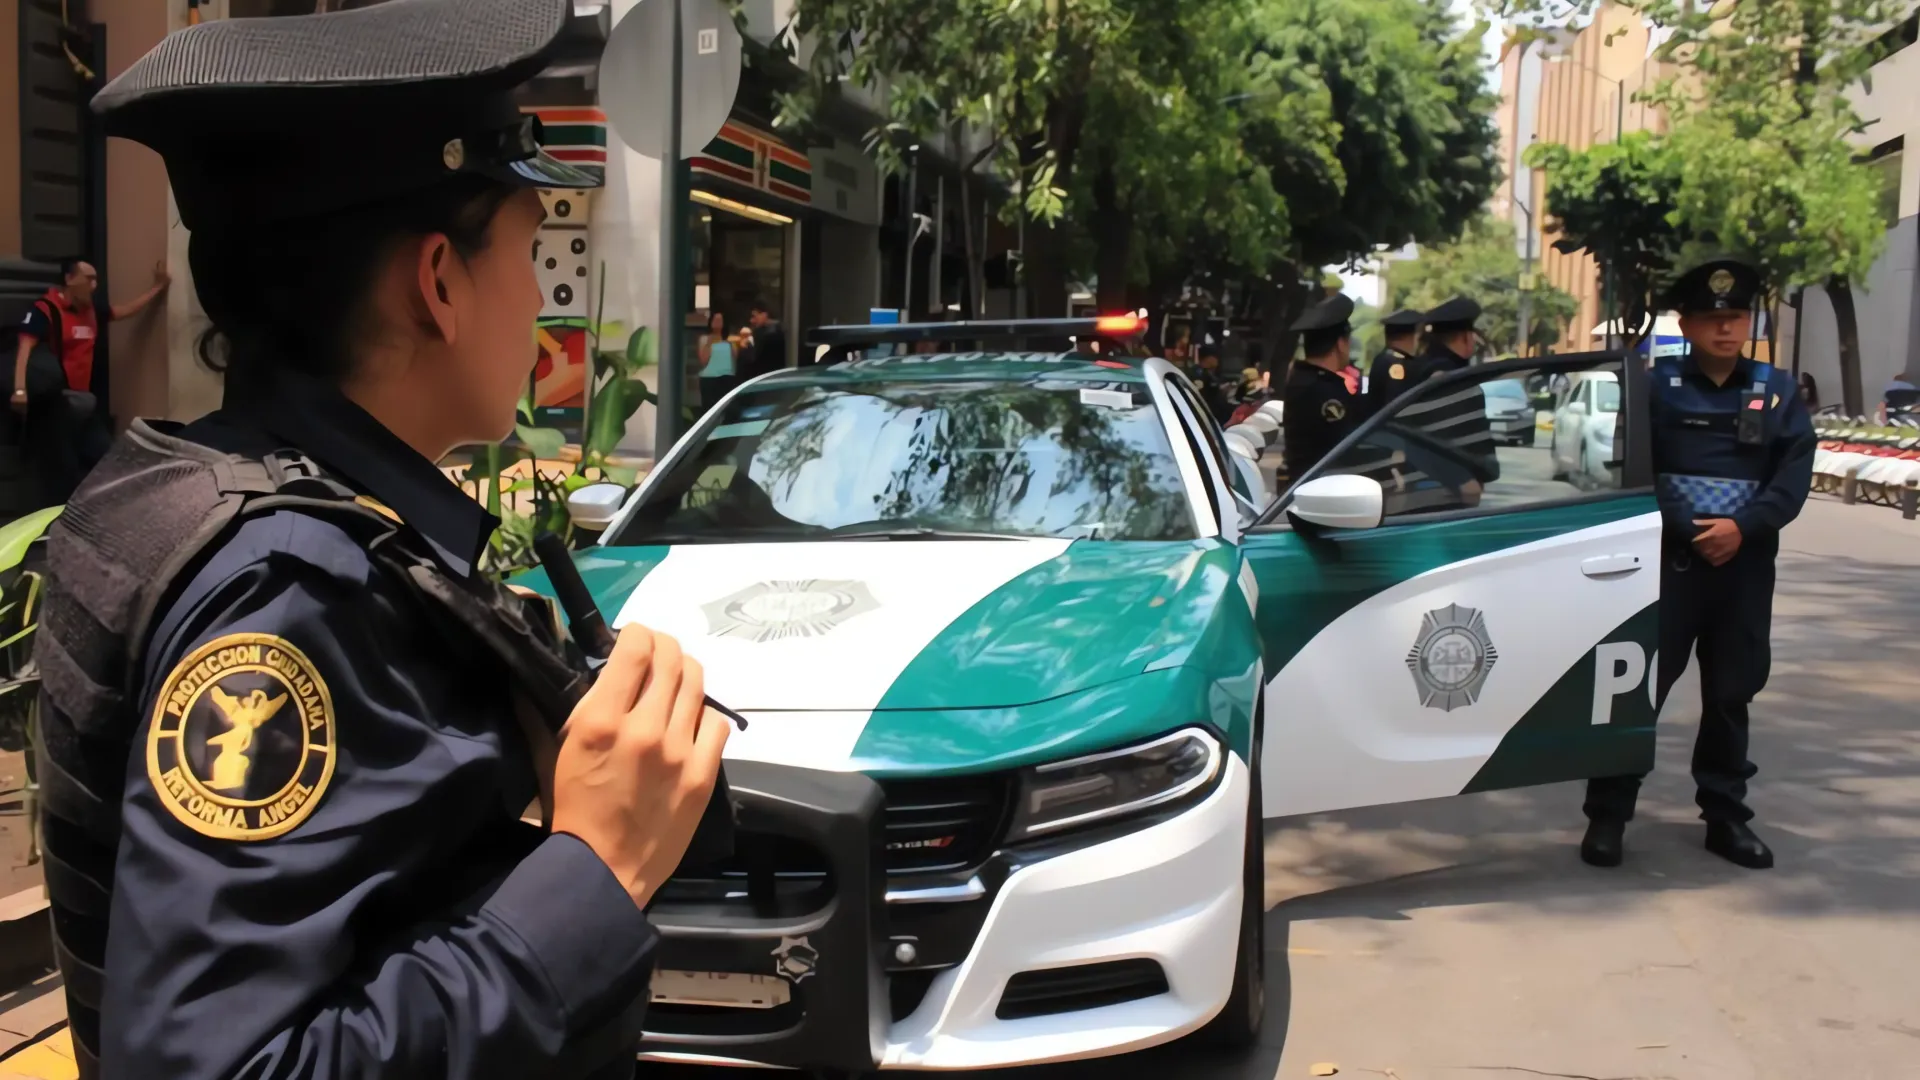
[290,732]
[1733,449]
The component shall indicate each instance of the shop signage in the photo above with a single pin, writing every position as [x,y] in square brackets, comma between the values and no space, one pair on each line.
[575,135]
[759,160]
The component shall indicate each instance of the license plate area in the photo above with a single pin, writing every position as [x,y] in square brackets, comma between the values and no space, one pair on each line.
[720,989]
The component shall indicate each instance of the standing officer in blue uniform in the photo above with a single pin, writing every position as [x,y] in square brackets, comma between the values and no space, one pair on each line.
[1733,453]
[1392,369]
[291,733]
[1322,395]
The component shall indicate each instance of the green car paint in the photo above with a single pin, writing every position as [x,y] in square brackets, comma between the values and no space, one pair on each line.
[20,533]
[1100,611]
[942,742]
[1307,581]
[611,575]
[1557,740]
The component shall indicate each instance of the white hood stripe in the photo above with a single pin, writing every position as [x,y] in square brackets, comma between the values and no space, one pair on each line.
[831,667]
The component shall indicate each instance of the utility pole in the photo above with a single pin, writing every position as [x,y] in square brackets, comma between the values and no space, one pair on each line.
[673,256]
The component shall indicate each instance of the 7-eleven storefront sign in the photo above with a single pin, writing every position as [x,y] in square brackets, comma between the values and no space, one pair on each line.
[759,160]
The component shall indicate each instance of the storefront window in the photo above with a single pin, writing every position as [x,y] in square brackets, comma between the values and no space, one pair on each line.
[739,260]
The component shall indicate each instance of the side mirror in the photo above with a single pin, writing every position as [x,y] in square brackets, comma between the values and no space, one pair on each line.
[1340,502]
[595,506]
[1578,408]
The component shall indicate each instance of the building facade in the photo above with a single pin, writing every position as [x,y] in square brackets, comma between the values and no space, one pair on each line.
[1885,304]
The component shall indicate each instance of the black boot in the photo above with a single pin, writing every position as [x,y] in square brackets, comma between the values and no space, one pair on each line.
[1605,842]
[1735,842]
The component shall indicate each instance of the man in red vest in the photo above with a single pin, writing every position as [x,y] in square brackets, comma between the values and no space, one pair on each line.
[59,407]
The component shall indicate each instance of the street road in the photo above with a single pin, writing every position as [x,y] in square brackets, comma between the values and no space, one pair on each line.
[1463,938]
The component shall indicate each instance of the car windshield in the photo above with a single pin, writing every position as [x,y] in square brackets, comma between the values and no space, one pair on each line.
[1606,396]
[921,458]
[1506,391]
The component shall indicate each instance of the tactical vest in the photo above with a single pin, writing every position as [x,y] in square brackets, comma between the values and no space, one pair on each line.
[134,533]
[1705,495]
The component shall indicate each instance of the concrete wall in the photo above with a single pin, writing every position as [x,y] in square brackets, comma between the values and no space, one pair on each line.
[9,128]
[138,216]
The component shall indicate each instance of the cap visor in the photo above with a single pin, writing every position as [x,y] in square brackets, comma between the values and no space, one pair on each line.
[545,170]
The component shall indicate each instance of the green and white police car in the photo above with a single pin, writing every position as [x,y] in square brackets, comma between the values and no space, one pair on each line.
[1033,596]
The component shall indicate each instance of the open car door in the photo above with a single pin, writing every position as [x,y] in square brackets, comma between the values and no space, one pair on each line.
[1439,615]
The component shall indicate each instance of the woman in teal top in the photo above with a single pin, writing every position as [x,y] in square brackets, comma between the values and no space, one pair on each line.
[716,362]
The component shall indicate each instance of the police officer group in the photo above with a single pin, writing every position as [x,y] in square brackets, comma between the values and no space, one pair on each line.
[1733,446]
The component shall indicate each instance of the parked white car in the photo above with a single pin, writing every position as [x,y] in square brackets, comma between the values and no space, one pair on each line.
[1583,429]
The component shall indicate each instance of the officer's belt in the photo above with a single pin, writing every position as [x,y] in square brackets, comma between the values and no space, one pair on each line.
[1708,496]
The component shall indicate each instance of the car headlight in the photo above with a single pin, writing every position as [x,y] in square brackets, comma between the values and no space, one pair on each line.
[1083,790]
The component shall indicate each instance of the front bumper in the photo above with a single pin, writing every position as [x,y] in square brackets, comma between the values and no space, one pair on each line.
[1088,945]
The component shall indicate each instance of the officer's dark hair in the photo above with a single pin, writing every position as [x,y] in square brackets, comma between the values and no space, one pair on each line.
[761,306]
[1320,342]
[294,295]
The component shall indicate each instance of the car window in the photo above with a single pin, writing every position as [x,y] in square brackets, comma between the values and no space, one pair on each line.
[1606,397]
[1449,449]
[1059,458]
[1209,444]
[1507,391]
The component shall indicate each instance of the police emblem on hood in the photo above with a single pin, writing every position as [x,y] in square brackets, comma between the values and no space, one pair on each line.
[795,959]
[773,610]
[1451,657]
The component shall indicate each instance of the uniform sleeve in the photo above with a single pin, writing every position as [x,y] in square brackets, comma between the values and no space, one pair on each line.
[36,325]
[314,953]
[1791,475]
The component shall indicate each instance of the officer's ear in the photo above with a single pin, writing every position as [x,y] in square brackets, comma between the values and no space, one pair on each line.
[436,268]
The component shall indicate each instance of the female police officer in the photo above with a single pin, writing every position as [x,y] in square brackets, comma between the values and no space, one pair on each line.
[290,732]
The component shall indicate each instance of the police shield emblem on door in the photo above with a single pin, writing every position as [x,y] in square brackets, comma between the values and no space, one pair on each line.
[1451,660]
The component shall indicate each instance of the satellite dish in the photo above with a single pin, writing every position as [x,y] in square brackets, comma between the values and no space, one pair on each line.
[636,72]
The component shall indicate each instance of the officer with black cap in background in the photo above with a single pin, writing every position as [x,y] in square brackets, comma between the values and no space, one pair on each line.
[1457,417]
[291,731]
[1322,394]
[1733,449]
[1392,368]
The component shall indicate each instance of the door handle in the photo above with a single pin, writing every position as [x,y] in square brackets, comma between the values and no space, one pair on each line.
[1610,565]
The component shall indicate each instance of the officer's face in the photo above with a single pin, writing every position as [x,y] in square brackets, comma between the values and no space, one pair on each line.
[80,284]
[493,300]
[1720,334]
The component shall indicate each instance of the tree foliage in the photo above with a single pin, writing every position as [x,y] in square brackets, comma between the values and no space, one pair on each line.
[1164,144]
[1485,265]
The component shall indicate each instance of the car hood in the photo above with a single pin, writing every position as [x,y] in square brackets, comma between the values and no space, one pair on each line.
[863,626]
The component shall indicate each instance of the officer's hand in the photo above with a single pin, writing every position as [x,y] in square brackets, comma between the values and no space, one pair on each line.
[638,759]
[1719,542]
[20,401]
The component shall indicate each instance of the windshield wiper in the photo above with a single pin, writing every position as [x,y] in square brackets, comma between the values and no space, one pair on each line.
[923,532]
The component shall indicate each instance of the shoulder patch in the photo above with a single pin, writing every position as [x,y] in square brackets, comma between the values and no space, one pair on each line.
[1397,371]
[1333,410]
[241,742]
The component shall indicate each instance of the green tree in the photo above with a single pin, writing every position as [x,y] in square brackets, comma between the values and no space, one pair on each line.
[1483,264]
[1164,145]
[1619,203]
[1764,142]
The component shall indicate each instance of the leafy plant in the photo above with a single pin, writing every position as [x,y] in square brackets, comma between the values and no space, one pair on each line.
[617,392]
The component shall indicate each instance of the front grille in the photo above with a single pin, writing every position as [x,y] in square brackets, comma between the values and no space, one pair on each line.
[944,824]
[1085,986]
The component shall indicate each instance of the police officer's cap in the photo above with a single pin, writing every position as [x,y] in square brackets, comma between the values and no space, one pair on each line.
[1404,319]
[1331,314]
[268,119]
[1459,313]
[1720,285]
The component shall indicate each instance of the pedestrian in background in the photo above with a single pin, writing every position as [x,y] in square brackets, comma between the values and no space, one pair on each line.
[66,427]
[298,733]
[1809,391]
[769,350]
[716,358]
[1733,460]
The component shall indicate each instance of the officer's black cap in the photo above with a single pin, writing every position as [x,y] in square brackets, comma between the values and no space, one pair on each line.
[1331,314]
[269,119]
[1720,285]
[1459,313]
[1404,319]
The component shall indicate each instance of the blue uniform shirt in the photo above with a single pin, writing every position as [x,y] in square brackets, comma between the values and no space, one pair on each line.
[1706,472]
[407,923]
